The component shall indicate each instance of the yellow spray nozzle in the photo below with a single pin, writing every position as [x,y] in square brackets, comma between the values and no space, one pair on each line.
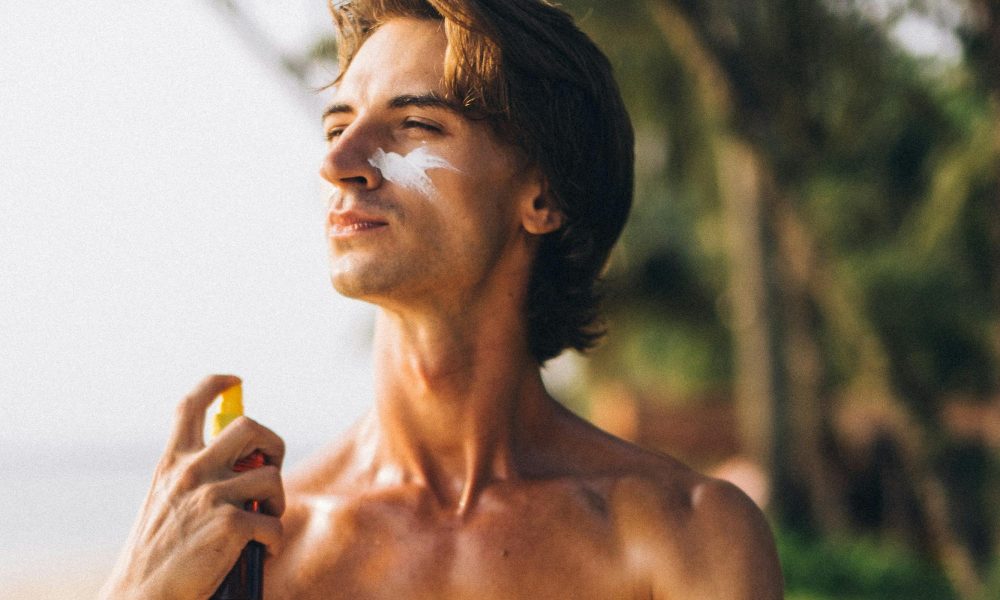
[230,408]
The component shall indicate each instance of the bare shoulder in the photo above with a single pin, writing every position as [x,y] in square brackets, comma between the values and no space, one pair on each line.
[684,534]
[694,536]
[317,481]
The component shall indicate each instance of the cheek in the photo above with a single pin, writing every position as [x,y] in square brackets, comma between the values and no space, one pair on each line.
[478,199]
[411,171]
[478,203]
[484,221]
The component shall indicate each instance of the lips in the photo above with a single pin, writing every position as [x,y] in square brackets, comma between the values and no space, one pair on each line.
[354,222]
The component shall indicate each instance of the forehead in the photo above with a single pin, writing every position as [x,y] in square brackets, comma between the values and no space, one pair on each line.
[403,55]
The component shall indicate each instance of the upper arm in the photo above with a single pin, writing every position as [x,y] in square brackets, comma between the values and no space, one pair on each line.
[736,544]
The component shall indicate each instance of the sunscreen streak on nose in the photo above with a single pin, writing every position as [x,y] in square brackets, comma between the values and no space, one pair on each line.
[409,171]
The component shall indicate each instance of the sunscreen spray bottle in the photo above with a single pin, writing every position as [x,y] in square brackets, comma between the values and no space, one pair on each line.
[246,580]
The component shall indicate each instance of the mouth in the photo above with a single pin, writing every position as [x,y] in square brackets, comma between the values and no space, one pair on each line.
[355,228]
[353,223]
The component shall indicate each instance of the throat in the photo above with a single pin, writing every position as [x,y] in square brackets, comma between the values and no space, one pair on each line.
[456,408]
[453,450]
[459,445]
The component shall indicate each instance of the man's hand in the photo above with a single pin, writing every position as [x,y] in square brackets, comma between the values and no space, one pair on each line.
[192,525]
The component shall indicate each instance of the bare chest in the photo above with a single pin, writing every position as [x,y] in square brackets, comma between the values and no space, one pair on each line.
[538,546]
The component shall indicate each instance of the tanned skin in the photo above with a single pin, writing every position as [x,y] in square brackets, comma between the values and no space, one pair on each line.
[467,480]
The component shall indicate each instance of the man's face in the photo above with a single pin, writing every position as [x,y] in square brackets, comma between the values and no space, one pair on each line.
[426,201]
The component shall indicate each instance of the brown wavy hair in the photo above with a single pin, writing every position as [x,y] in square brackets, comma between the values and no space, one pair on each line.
[544,87]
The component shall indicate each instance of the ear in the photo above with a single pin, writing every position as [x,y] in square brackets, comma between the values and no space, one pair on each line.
[539,213]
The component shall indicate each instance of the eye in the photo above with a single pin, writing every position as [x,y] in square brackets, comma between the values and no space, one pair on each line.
[334,132]
[412,123]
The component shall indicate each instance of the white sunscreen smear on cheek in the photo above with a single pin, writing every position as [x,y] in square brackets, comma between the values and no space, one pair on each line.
[409,171]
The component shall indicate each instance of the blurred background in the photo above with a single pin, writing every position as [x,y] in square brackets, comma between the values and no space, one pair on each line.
[806,300]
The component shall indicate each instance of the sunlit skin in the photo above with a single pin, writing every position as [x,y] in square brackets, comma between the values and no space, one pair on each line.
[466,480]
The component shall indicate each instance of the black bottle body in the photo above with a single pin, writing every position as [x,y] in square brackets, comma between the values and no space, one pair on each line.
[246,580]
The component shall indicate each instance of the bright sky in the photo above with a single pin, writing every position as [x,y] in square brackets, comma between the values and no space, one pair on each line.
[160,219]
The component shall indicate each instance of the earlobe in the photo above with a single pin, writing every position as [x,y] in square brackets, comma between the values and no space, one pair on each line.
[540,215]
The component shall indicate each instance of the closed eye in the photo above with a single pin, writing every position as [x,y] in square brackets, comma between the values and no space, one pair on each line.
[333,132]
[419,124]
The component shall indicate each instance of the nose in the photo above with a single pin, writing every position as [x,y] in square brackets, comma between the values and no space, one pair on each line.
[346,163]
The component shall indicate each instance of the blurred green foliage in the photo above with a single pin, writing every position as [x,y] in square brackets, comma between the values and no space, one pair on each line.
[857,569]
[855,131]
[879,207]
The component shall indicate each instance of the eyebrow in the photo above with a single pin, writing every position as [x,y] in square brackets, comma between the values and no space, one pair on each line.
[424,100]
[336,109]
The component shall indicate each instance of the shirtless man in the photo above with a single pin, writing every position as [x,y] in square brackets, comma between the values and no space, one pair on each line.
[482,166]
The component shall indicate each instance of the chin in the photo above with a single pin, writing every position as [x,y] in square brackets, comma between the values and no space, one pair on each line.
[350,276]
[364,282]
[348,286]
[387,283]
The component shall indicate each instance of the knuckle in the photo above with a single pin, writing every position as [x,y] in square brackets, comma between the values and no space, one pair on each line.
[277,529]
[242,427]
[272,474]
[166,463]
[186,406]
[276,499]
[211,494]
[211,499]
[245,423]
[231,518]
[189,476]
[268,529]
[278,506]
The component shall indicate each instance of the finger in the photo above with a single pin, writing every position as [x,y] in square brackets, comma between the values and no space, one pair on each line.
[189,422]
[245,526]
[268,531]
[263,484]
[243,436]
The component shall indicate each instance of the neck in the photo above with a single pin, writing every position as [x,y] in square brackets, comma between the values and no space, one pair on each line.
[458,400]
